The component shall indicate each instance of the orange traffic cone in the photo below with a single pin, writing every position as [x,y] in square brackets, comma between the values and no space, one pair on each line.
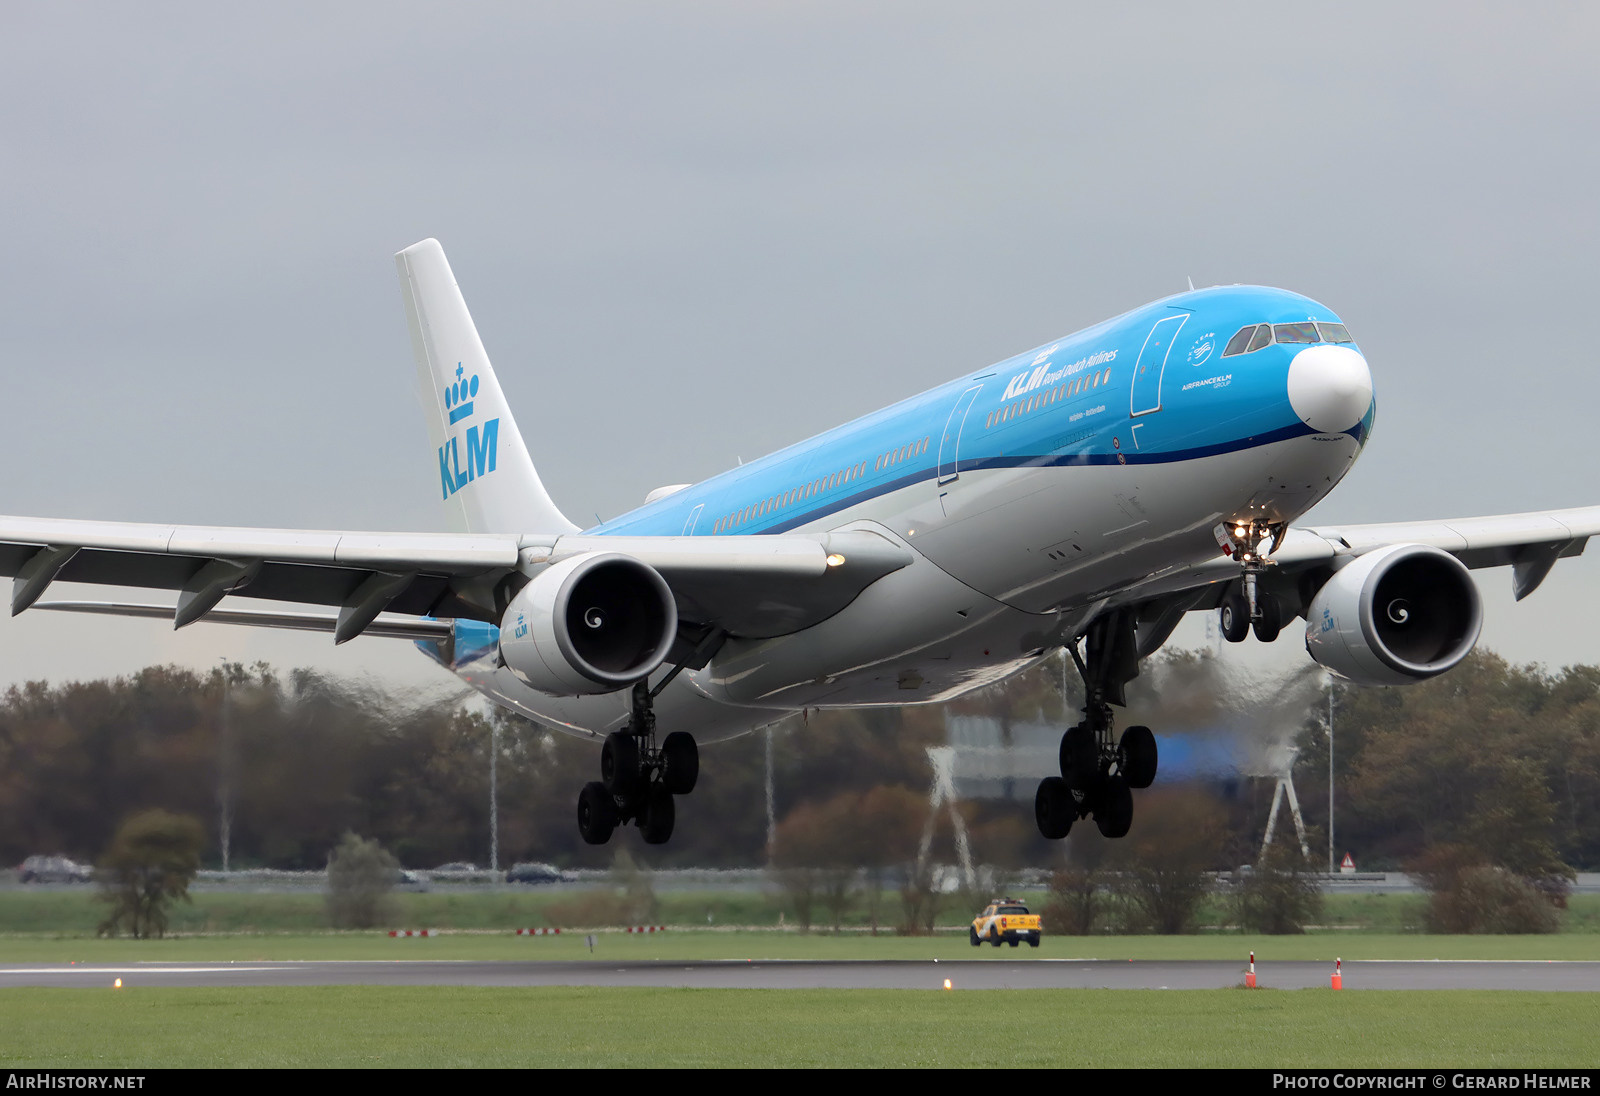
[1250,979]
[1338,979]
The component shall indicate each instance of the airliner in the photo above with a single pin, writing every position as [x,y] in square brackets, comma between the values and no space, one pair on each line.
[1083,495]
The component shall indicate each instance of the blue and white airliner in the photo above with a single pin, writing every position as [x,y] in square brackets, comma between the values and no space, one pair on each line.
[1084,494]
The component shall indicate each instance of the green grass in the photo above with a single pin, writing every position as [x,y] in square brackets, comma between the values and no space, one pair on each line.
[688,945]
[77,912]
[455,1027]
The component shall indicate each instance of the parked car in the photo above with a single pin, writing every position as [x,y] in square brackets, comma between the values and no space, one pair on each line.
[54,869]
[534,873]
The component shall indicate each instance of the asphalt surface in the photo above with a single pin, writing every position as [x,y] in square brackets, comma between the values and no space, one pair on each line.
[963,974]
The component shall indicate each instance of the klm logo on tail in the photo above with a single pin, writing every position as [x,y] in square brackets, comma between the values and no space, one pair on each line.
[482,444]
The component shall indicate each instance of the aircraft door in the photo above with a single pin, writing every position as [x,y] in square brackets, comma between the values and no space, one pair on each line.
[694,518]
[950,442]
[1152,365]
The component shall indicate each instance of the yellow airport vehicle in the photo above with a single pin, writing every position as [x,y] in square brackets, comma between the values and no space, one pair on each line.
[1005,920]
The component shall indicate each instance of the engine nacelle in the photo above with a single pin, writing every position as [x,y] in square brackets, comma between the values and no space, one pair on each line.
[1394,616]
[594,623]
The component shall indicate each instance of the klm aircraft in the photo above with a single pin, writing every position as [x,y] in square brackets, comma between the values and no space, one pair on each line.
[1085,494]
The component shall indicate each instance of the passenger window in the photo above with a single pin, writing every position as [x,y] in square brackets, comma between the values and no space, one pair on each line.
[1295,332]
[1262,337]
[1334,333]
[1239,342]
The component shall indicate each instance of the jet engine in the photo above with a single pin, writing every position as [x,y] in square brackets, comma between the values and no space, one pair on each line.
[1394,616]
[593,623]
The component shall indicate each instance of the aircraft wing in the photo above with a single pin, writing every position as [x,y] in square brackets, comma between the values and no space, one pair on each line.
[755,586]
[1528,543]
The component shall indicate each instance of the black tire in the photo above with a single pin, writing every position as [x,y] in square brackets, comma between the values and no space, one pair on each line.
[1079,760]
[1114,814]
[994,936]
[658,817]
[1138,757]
[620,770]
[1013,941]
[1053,808]
[1234,618]
[597,813]
[680,762]
[1033,941]
[973,933]
[1271,622]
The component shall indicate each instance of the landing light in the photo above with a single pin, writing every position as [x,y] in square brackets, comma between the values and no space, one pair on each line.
[835,559]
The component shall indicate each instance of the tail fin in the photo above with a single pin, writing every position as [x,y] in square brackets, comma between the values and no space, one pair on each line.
[486,477]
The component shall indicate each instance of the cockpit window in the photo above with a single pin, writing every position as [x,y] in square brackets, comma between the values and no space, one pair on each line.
[1334,332]
[1263,336]
[1296,332]
[1237,344]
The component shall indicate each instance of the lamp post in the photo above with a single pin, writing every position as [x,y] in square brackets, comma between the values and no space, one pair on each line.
[1330,775]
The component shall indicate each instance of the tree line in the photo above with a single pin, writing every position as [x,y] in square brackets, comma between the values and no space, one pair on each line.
[1492,763]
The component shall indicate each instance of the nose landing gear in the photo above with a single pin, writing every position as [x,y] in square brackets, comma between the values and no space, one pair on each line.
[1248,608]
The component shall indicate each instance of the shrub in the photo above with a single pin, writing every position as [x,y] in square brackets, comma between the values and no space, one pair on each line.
[1483,898]
[151,861]
[1280,896]
[361,875]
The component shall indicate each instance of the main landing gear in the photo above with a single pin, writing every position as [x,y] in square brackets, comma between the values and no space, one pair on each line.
[1099,771]
[637,778]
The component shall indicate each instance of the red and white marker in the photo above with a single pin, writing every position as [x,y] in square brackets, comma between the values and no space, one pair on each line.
[1338,979]
[1250,978]
[538,932]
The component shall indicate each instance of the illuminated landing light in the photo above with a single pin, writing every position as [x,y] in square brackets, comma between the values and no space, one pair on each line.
[835,559]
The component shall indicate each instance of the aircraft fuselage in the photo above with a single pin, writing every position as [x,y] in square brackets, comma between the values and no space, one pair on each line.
[1031,494]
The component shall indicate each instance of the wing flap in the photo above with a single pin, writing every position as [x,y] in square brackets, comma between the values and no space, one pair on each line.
[386,625]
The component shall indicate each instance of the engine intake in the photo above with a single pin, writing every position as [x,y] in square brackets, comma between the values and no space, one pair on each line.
[594,623]
[1394,616]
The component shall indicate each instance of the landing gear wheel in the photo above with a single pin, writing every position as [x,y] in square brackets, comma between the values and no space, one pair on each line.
[680,761]
[597,813]
[1271,622]
[1234,618]
[973,934]
[1079,757]
[656,822]
[1137,757]
[620,770]
[1114,814]
[1053,808]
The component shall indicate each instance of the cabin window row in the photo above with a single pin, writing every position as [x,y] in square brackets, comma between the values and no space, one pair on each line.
[799,494]
[1252,337]
[1062,391]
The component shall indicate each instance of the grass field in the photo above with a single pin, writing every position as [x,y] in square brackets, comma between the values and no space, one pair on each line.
[76,912]
[433,1027]
[692,945]
[138,1026]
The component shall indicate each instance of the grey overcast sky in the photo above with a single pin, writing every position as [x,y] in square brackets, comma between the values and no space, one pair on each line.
[693,232]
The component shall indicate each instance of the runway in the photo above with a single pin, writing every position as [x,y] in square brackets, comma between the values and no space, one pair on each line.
[771,974]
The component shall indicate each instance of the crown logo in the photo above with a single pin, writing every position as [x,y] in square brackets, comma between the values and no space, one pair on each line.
[458,397]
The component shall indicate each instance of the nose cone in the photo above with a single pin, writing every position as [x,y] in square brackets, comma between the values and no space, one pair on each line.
[1330,388]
